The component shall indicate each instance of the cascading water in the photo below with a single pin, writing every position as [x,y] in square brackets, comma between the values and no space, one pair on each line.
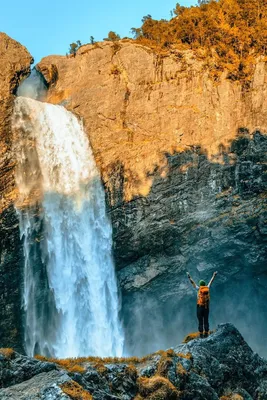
[70,291]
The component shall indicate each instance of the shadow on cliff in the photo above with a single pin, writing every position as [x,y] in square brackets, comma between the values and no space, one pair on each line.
[204,215]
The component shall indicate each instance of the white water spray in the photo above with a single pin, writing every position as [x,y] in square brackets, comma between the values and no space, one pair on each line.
[73,239]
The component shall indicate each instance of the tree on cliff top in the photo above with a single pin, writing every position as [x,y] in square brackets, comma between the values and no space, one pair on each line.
[74,47]
[229,34]
[112,36]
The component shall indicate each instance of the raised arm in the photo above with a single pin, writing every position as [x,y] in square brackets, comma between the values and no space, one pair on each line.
[191,280]
[212,279]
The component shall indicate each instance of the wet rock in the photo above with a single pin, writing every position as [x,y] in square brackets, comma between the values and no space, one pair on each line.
[203,369]
[44,386]
[15,368]
[14,66]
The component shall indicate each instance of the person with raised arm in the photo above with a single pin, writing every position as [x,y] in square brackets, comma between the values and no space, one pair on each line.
[203,302]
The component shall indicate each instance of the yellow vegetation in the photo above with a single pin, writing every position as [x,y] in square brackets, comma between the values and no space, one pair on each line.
[131,371]
[101,369]
[180,369]
[75,391]
[232,397]
[7,352]
[227,34]
[76,364]
[156,388]
[68,363]
[191,336]
[77,368]
[166,353]
[163,366]
[188,356]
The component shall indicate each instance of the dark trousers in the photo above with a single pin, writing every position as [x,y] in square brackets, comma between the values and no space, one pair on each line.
[203,318]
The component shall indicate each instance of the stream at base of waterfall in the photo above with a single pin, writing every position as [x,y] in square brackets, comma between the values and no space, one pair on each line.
[71,300]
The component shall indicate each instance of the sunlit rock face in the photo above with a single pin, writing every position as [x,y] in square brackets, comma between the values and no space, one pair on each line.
[184,165]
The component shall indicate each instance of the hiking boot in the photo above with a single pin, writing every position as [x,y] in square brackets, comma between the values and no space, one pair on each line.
[206,334]
[201,335]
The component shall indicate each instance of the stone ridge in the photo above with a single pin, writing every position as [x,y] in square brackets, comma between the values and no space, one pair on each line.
[221,367]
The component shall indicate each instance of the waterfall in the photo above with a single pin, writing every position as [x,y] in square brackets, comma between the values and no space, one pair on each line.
[70,291]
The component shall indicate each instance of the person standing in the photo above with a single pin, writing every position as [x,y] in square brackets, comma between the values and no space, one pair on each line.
[203,302]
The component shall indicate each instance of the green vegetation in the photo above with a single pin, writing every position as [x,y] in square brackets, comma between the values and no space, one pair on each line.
[112,37]
[74,47]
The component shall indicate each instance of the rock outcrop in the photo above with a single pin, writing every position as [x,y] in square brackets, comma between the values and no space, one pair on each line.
[220,367]
[183,161]
[14,66]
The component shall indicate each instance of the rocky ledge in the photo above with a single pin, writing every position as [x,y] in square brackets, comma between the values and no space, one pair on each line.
[221,366]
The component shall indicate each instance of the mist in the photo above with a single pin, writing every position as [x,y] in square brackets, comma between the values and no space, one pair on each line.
[33,87]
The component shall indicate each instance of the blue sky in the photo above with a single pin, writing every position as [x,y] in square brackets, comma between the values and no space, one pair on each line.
[48,27]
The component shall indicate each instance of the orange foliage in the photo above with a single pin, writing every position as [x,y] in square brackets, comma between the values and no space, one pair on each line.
[180,369]
[191,336]
[75,391]
[188,356]
[164,365]
[69,363]
[157,387]
[7,352]
[232,34]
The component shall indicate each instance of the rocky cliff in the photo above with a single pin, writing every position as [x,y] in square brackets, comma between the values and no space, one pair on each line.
[220,367]
[183,160]
[14,66]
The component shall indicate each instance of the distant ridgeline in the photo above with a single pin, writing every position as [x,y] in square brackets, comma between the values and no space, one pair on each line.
[227,34]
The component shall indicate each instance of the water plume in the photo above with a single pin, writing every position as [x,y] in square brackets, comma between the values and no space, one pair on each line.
[70,291]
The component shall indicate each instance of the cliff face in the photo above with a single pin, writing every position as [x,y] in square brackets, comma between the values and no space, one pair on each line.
[138,107]
[183,161]
[14,65]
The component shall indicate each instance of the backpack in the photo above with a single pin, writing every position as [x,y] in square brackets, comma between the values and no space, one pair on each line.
[203,297]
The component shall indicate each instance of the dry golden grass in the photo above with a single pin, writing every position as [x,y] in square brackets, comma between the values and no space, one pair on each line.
[180,370]
[101,369]
[164,365]
[75,391]
[188,356]
[131,371]
[77,368]
[69,363]
[166,353]
[191,336]
[156,388]
[7,352]
[232,397]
